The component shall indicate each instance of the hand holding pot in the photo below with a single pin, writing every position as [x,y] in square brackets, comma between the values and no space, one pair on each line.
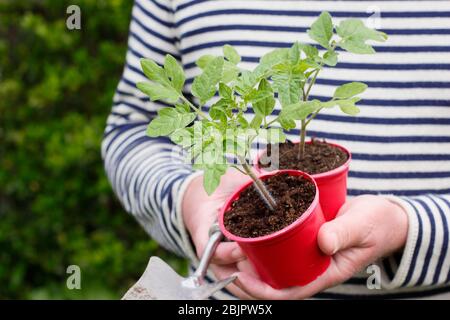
[366,228]
[200,212]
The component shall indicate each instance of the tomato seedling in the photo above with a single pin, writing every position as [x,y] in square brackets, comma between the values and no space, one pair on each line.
[223,130]
[294,71]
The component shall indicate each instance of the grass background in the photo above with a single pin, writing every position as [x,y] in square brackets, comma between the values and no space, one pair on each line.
[56,205]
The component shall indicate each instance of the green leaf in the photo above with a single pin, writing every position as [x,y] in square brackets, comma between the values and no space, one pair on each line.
[183,137]
[274,57]
[256,96]
[242,121]
[348,106]
[231,54]
[356,46]
[264,107]
[212,152]
[286,123]
[287,84]
[212,175]
[204,60]
[204,85]
[175,72]
[207,148]
[230,72]
[245,83]
[300,110]
[153,71]
[322,30]
[310,51]
[256,121]
[349,90]
[294,53]
[225,91]
[167,82]
[235,142]
[183,107]
[329,104]
[301,67]
[167,121]
[269,60]
[330,58]
[218,110]
[157,91]
[355,28]
[355,34]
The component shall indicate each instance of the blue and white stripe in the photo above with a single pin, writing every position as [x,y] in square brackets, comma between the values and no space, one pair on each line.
[400,141]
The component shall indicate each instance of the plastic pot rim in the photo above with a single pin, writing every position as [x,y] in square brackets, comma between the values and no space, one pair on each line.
[326,174]
[280,233]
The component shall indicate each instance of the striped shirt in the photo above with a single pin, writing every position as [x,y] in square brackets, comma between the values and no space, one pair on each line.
[400,141]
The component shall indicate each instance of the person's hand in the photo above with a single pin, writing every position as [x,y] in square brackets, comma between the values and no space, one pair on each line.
[200,211]
[366,228]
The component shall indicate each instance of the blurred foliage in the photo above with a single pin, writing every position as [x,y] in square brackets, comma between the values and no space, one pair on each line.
[56,205]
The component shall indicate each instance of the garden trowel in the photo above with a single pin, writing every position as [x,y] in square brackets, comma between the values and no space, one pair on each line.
[161,282]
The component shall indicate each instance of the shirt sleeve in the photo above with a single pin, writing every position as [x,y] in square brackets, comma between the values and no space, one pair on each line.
[148,175]
[425,260]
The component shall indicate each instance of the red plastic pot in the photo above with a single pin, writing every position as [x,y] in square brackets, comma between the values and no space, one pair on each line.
[288,257]
[332,184]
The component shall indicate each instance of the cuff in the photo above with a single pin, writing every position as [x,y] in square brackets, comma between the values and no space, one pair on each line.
[401,276]
[420,263]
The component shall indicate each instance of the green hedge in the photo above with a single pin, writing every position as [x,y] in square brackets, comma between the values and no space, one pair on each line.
[56,206]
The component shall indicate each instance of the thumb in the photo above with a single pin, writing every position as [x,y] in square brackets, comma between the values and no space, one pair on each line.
[341,233]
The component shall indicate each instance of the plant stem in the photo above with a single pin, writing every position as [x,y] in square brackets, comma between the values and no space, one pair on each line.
[270,122]
[199,112]
[239,169]
[305,98]
[259,185]
[313,116]
[313,81]
[302,140]
[305,123]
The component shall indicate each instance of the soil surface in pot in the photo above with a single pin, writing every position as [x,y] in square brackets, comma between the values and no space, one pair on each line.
[249,217]
[319,157]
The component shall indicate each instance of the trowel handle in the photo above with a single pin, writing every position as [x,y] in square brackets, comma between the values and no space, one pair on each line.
[215,236]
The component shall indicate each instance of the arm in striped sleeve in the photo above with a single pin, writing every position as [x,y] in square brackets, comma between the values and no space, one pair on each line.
[148,175]
[425,260]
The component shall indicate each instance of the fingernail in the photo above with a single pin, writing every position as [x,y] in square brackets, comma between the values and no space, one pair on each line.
[334,242]
[236,253]
[236,280]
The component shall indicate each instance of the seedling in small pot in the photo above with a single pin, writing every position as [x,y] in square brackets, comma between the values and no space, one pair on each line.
[223,130]
[294,71]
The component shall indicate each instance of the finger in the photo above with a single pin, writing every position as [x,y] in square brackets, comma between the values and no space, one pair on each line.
[228,253]
[247,267]
[345,207]
[257,288]
[261,290]
[343,232]
[201,234]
